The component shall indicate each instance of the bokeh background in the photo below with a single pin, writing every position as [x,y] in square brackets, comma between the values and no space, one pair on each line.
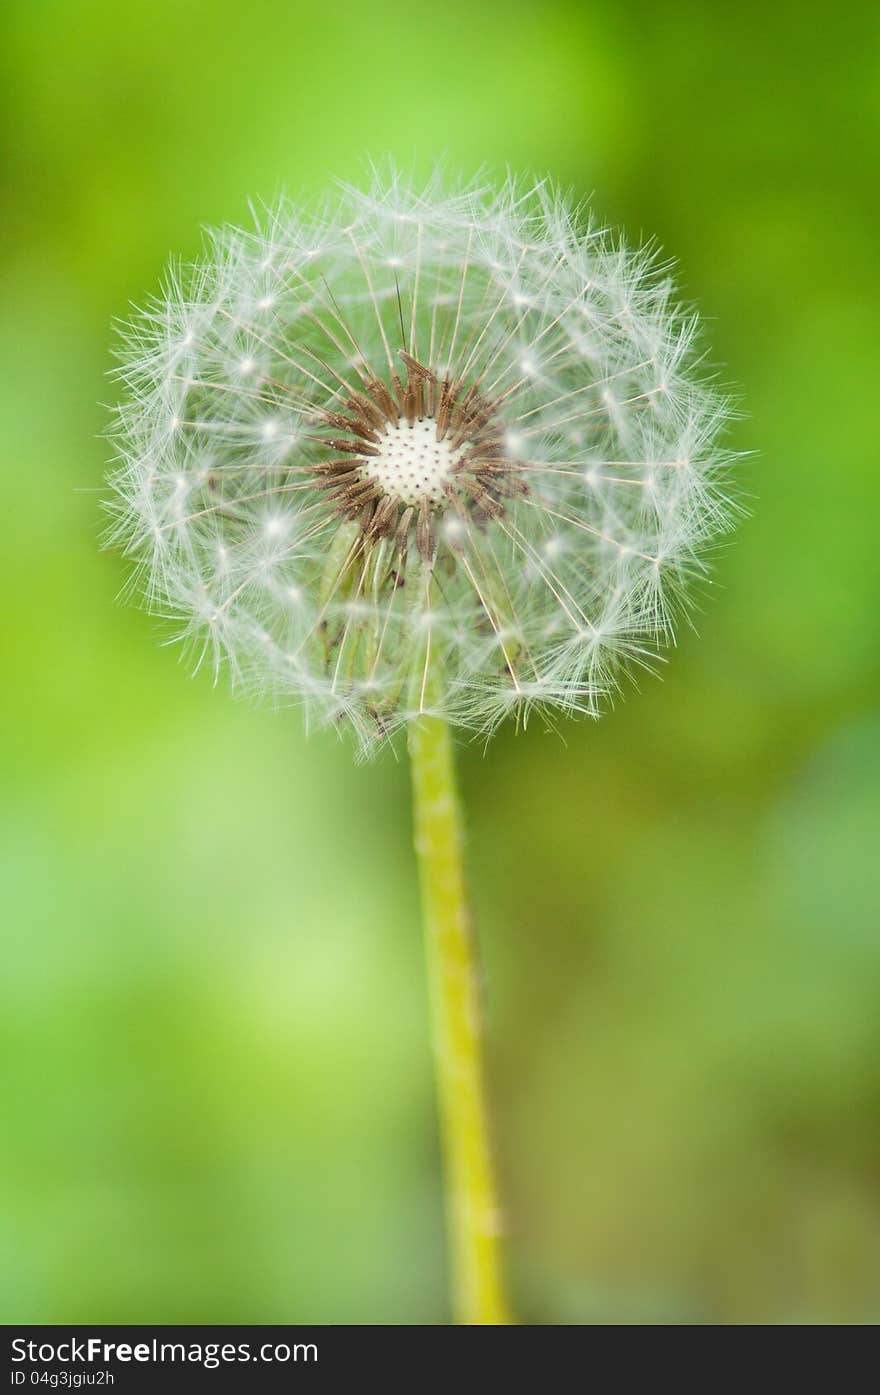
[218,1096]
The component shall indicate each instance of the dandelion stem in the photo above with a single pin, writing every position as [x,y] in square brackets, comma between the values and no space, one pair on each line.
[473,1212]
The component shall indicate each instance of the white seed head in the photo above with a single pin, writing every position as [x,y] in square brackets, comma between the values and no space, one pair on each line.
[461,424]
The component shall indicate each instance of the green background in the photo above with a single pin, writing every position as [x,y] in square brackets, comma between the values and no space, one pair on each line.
[218,1095]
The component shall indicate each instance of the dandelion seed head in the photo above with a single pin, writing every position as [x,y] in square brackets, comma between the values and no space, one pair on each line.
[428,420]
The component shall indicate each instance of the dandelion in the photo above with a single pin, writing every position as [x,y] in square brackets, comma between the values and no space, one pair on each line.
[423,457]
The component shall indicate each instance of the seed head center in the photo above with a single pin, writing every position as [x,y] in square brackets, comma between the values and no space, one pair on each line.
[410,453]
[411,464]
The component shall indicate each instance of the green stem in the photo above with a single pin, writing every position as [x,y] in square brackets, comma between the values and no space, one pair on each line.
[473,1212]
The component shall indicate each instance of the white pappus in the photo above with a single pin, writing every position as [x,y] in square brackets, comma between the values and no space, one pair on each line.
[420,425]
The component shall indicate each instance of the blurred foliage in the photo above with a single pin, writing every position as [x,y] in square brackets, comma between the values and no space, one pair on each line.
[219,1099]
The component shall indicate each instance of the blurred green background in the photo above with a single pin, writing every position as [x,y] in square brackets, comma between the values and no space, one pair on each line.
[218,1095]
